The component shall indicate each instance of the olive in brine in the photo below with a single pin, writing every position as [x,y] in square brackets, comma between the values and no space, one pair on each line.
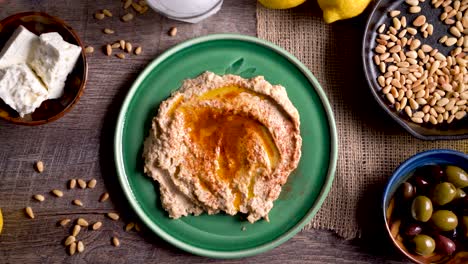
[423,245]
[445,245]
[444,220]
[421,208]
[457,176]
[413,229]
[407,191]
[460,194]
[443,193]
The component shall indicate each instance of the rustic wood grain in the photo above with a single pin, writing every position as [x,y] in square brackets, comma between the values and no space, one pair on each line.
[79,145]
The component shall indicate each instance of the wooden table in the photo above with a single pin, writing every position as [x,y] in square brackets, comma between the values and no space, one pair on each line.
[79,145]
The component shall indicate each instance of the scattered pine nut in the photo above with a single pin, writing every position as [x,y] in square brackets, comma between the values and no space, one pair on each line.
[72,184]
[80,246]
[138,51]
[108,31]
[92,183]
[127,4]
[69,240]
[72,249]
[29,212]
[40,166]
[77,203]
[96,225]
[89,49]
[39,197]
[64,222]
[57,193]
[115,242]
[120,55]
[113,216]
[128,47]
[116,45]
[82,222]
[127,17]
[108,50]
[137,7]
[173,31]
[104,197]
[99,16]
[107,12]
[122,44]
[129,226]
[137,227]
[76,230]
[81,183]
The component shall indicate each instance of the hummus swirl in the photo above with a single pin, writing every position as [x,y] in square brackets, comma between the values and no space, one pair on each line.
[223,143]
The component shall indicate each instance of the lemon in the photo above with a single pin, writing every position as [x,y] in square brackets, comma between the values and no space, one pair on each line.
[334,10]
[1,221]
[280,4]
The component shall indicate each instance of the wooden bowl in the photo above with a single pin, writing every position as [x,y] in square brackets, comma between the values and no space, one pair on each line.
[52,109]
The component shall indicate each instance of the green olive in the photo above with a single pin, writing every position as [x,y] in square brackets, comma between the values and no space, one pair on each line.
[457,176]
[423,244]
[444,220]
[460,194]
[421,208]
[443,193]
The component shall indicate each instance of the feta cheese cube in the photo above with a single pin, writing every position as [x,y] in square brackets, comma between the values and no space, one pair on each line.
[53,60]
[21,89]
[19,47]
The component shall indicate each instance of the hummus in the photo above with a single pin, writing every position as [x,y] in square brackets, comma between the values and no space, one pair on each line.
[223,144]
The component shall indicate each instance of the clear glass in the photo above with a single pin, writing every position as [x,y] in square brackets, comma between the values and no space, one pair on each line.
[191,11]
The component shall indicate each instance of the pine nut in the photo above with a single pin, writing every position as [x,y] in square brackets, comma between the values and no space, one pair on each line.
[82,222]
[108,31]
[57,193]
[29,212]
[113,216]
[129,226]
[115,242]
[69,240]
[107,13]
[96,225]
[39,197]
[64,222]
[127,17]
[81,183]
[76,230]
[173,31]
[92,183]
[72,249]
[80,246]
[138,51]
[40,166]
[72,184]
[77,203]
[104,197]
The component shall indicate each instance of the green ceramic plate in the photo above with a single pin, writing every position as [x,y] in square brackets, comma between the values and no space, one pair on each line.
[224,236]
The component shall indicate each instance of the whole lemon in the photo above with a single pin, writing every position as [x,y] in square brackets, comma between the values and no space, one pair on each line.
[334,10]
[280,4]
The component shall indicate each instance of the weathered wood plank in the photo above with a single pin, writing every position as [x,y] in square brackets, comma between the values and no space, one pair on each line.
[79,145]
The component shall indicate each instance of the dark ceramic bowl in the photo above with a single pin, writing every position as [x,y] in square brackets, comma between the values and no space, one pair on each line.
[458,129]
[402,174]
[49,110]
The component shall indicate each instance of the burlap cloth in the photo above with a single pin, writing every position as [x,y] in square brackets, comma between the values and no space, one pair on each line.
[371,145]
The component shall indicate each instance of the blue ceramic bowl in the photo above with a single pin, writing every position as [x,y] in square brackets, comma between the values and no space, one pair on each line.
[403,173]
